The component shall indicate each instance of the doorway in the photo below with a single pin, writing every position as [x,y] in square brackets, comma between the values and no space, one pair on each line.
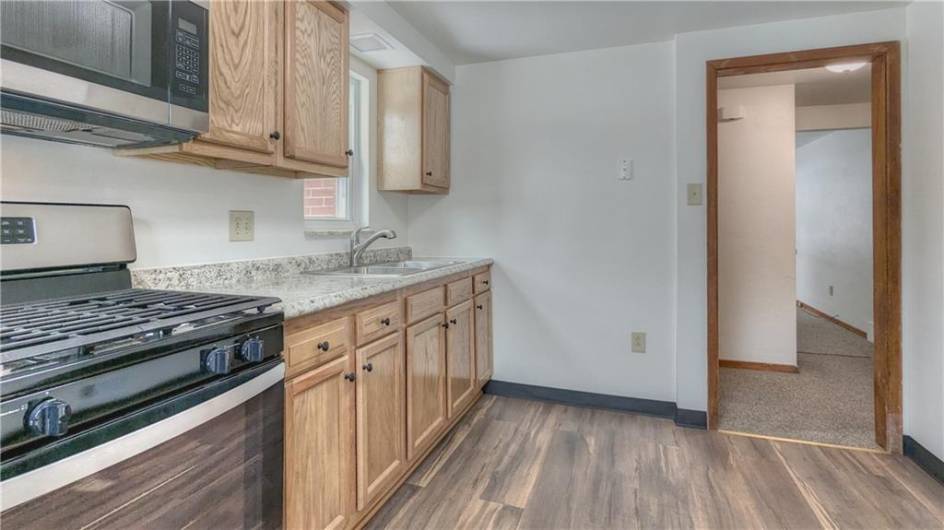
[884,105]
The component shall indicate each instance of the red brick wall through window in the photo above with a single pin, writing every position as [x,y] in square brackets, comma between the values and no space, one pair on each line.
[321,198]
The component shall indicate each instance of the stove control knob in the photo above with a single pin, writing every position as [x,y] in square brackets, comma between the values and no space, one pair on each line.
[216,361]
[251,350]
[49,417]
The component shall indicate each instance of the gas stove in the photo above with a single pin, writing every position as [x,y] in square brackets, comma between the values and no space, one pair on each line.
[85,358]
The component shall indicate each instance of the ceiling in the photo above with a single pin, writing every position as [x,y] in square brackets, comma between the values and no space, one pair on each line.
[473,32]
[814,86]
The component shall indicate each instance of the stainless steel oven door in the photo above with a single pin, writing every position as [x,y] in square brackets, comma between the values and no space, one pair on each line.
[217,464]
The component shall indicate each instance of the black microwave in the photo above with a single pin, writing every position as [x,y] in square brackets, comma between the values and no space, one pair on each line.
[135,66]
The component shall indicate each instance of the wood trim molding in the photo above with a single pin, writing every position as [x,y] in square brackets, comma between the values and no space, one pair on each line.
[817,313]
[764,367]
[886,215]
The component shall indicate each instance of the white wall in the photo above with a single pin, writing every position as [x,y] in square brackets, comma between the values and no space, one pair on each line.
[923,227]
[692,50]
[756,205]
[181,211]
[834,223]
[581,259]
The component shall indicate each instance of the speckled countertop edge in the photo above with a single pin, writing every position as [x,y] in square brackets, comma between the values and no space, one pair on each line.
[304,294]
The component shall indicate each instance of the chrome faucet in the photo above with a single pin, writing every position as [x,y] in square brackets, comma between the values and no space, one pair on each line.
[358,248]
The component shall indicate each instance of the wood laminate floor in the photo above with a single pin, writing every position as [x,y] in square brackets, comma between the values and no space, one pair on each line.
[515,463]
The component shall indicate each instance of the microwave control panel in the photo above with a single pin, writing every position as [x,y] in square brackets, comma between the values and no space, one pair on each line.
[186,58]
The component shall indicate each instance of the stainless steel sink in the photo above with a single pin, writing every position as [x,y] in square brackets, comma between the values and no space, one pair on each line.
[393,269]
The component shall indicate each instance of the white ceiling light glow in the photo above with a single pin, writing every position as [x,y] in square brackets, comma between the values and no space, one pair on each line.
[842,68]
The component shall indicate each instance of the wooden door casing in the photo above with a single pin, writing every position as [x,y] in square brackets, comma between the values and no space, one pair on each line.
[316,83]
[425,383]
[381,425]
[319,448]
[244,74]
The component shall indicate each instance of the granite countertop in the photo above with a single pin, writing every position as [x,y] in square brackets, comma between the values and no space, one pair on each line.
[303,294]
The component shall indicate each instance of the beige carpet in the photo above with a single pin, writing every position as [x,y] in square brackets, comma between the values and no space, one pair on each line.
[829,401]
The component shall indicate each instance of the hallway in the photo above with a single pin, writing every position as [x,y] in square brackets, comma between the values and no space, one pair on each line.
[829,401]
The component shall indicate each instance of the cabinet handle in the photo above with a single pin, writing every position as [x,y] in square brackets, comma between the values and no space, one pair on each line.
[453,321]
[369,367]
[323,346]
[349,152]
[385,321]
[350,376]
[485,282]
[429,173]
[480,306]
[446,325]
[275,135]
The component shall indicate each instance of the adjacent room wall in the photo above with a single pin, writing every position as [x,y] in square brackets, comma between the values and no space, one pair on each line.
[834,223]
[692,50]
[756,205]
[581,259]
[828,117]
[181,211]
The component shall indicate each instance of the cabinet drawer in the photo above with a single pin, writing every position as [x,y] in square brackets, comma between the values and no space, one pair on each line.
[483,281]
[424,304]
[317,345]
[458,291]
[377,322]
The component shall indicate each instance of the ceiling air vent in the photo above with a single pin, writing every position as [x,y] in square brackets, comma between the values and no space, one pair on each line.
[369,42]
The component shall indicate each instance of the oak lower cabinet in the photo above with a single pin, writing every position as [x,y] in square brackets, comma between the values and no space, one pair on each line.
[370,389]
[380,404]
[483,338]
[460,357]
[425,383]
[319,447]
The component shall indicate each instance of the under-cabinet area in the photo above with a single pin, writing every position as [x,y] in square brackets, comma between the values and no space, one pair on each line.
[370,388]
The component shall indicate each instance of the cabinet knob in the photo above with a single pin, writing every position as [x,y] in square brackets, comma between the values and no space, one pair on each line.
[350,376]
[369,367]
[349,152]
[446,325]
[323,346]
[452,321]
[429,173]
[275,135]
[485,282]
[480,306]
[385,321]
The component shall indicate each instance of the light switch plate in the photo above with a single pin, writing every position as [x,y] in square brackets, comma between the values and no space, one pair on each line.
[242,225]
[638,340]
[694,194]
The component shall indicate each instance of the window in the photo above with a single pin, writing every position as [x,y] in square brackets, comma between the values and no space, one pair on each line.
[332,203]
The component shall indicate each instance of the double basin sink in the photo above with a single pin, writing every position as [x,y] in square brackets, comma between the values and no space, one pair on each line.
[394,269]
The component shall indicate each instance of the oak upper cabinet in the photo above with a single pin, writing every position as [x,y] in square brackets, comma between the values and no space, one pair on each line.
[319,447]
[483,337]
[381,436]
[278,91]
[425,383]
[414,128]
[245,74]
[316,83]
[460,357]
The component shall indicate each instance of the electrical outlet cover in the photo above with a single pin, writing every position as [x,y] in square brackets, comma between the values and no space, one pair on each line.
[242,225]
[638,340]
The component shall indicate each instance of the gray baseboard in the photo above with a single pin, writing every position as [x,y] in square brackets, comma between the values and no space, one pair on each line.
[651,407]
[925,459]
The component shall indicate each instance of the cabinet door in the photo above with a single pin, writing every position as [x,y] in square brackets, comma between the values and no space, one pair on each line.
[319,447]
[245,74]
[381,395]
[483,337]
[425,383]
[316,83]
[460,357]
[435,131]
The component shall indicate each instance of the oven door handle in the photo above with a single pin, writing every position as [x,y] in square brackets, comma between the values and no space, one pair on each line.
[39,472]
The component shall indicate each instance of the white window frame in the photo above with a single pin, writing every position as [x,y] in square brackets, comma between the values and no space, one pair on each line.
[357,166]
